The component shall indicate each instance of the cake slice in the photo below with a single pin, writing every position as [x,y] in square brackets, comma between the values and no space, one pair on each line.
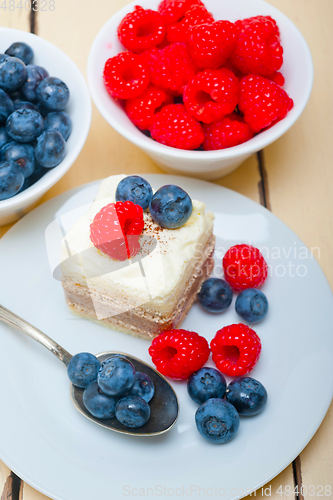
[148,293]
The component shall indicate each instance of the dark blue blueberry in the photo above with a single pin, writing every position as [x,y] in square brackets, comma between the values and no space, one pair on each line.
[217,420]
[132,411]
[35,74]
[205,384]
[143,386]
[24,125]
[53,93]
[22,51]
[24,105]
[136,189]
[215,295]
[98,404]
[6,106]
[50,148]
[25,186]
[116,376]
[59,120]
[22,154]
[12,73]
[4,137]
[83,369]
[11,179]
[16,95]
[171,207]
[252,305]
[37,174]
[42,110]
[247,395]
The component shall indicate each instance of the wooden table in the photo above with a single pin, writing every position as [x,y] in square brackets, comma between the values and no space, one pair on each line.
[293,178]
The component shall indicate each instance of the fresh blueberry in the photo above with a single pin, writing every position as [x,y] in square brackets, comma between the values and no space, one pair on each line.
[22,154]
[24,105]
[37,174]
[59,120]
[98,404]
[116,376]
[132,411]
[4,137]
[136,189]
[83,369]
[53,93]
[11,179]
[217,420]
[42,110]
[35,74]
[205,384]
[16,95]
[171,207]
[143,386]
[6,106]
[22,51]
[247,395]
[252,305]
[24,125]
[215,295]
[50,149]
[12,73]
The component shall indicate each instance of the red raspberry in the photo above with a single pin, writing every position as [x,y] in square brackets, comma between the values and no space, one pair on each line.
[116,228]
[198,14]
[226,133]
[172,68]
[174,10]
[258,48]
[125,75]
[212,94]
[244,267]
[211,45]
[142,110]
[277,78]
[235,349]
[176,128]
[262,102]
[141,30]
[179,353]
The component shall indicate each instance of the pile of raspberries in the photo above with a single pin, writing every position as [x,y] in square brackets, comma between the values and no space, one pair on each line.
[196,83]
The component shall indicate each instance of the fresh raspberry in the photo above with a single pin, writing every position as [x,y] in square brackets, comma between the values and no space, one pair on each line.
[212,94]
[211,45]
[198,14]
[258,48]
[235,349]
[179,353]
[172,68]
[141,30]
[174,10]
[125,75]
[226,133]
[244,267]
[262,102]
[116,229]
[277,78]
[176,128]
[142,110]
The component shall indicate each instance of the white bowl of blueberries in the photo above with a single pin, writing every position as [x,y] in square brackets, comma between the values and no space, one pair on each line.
[45,115]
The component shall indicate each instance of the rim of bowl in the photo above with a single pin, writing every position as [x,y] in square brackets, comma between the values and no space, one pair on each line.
[55,174]
[260,141]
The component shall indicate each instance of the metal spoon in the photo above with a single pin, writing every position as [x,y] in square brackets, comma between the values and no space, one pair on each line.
[164,406]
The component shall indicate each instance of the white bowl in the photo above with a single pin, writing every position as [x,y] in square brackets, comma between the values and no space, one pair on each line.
[297,69]
[57,63]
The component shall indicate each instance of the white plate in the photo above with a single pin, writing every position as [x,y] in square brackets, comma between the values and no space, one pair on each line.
[64,455]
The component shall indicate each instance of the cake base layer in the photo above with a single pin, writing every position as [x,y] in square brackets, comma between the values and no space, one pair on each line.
[140,322]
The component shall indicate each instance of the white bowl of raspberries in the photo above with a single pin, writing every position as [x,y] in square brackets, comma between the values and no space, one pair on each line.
[200,86]
[45,114]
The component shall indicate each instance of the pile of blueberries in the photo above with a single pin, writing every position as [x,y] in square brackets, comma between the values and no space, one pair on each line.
[33,125]
[112,388]
[217,419]
[215,296]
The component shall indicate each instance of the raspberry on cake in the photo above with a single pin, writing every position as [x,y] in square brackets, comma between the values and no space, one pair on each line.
[148,293]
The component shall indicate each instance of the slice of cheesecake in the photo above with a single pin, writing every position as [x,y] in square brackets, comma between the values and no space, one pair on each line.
[149,293]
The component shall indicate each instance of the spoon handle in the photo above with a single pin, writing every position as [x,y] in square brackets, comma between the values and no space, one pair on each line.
[13,320]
